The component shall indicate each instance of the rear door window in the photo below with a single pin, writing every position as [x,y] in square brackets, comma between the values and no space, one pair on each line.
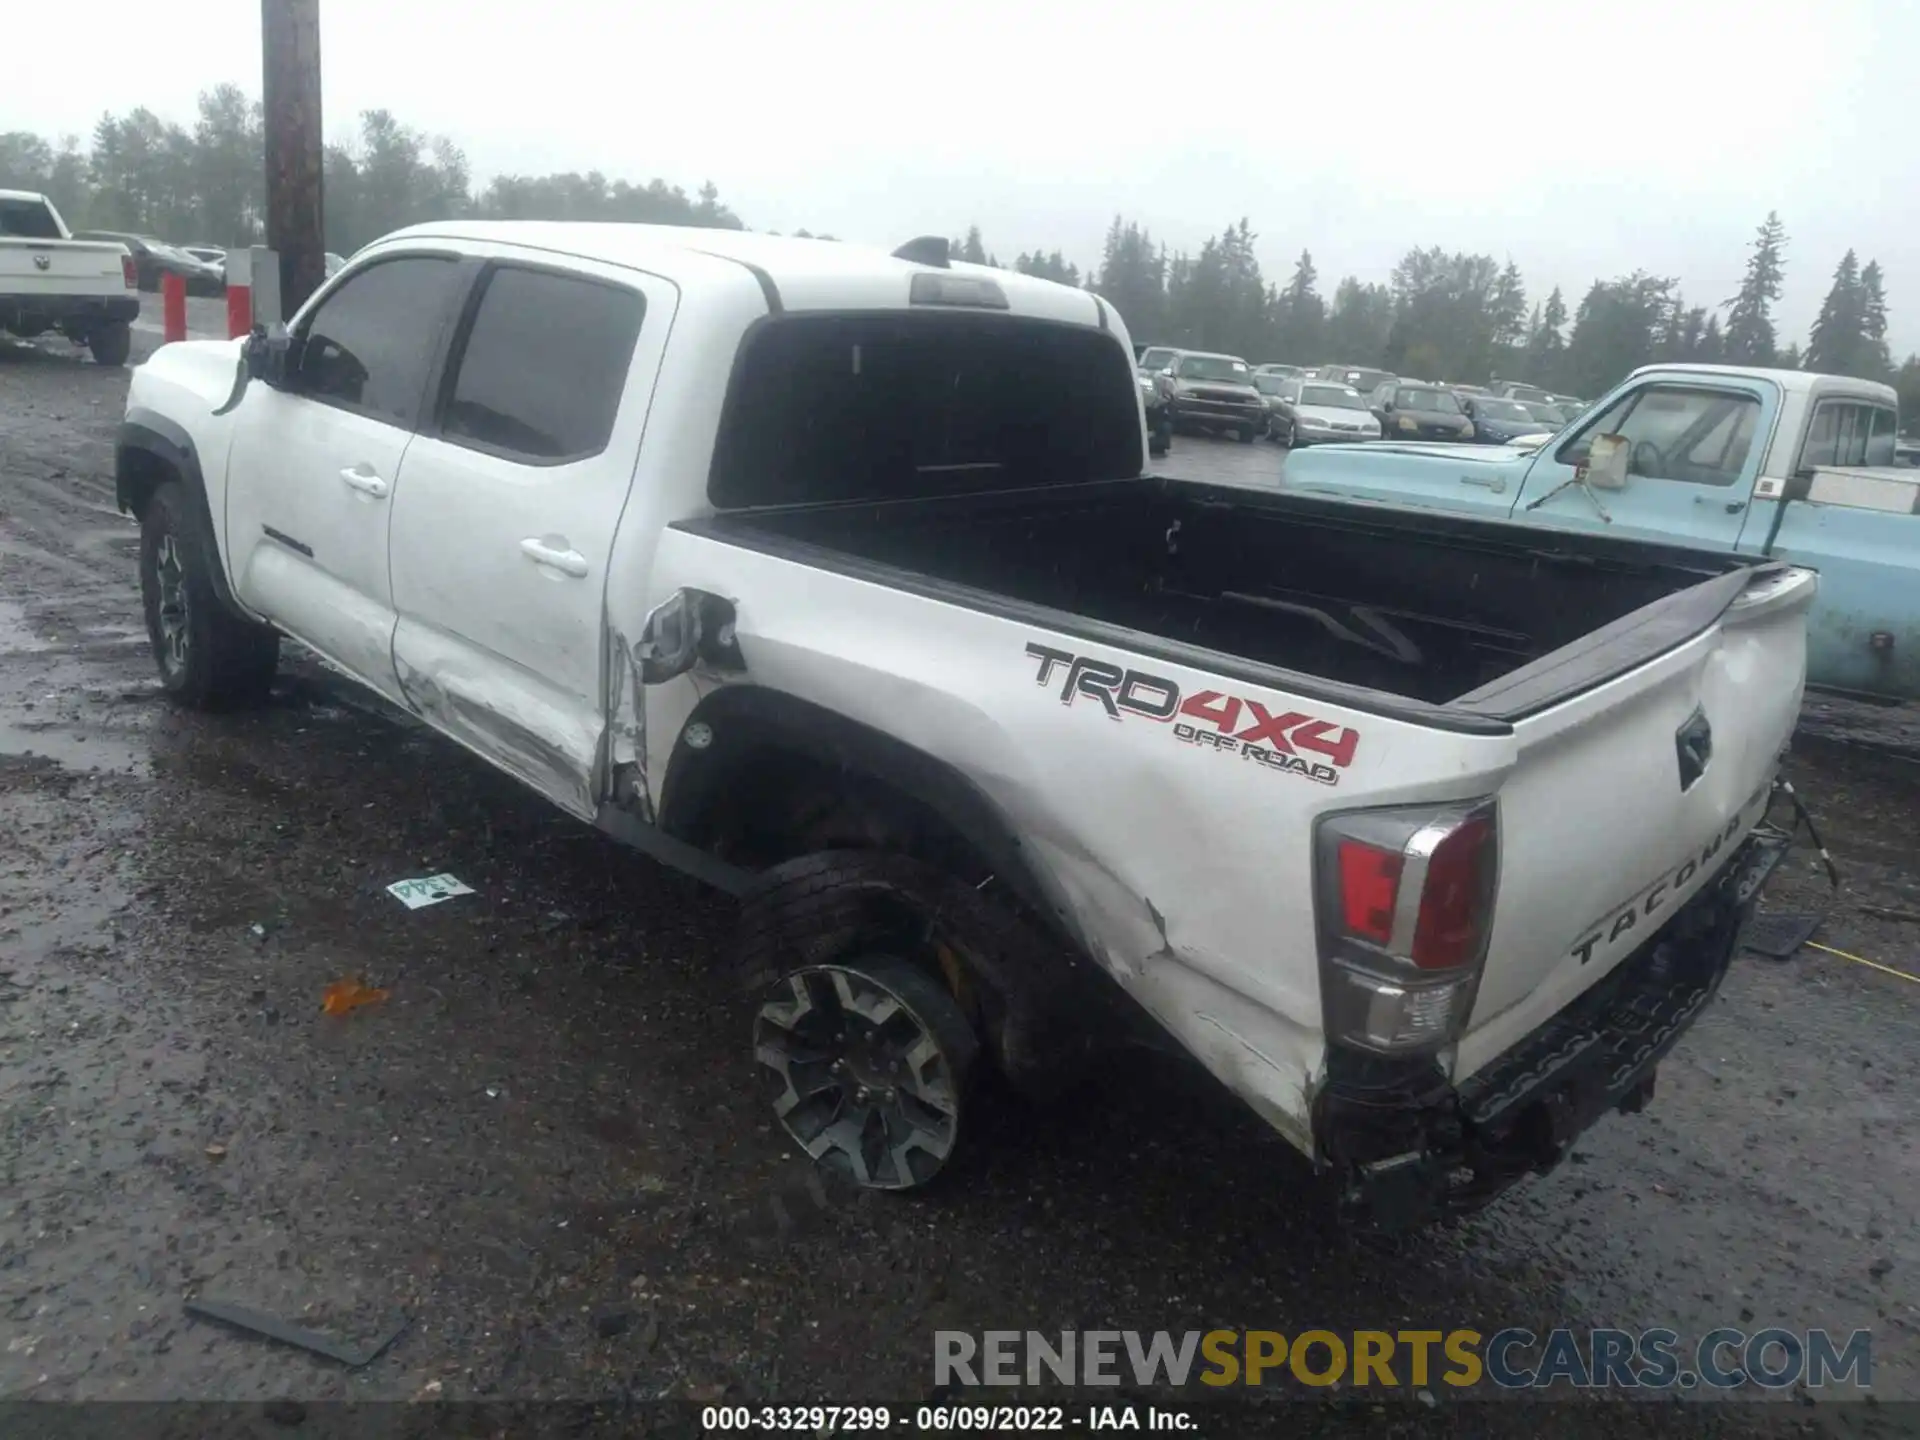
[540,376]
[370,343]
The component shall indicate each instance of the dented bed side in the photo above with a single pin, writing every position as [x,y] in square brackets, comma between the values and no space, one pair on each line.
[1167,813]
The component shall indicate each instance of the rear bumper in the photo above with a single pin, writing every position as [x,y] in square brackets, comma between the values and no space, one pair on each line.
[1411,1147]
[52,310]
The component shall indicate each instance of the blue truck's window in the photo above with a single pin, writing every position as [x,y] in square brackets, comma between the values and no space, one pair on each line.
[1880,444]
[1849,432]
[540,376]
[1695,436]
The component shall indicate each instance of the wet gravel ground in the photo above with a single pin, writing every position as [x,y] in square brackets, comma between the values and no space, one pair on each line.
[544,1149]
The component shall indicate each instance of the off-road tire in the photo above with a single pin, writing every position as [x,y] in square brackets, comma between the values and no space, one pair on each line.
[1247,432]
[209,658]
[111,343]
[1013,985]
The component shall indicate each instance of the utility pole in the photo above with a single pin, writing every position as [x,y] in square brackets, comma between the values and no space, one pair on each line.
[290,98]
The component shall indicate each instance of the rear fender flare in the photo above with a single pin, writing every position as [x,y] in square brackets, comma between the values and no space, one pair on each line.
[743,719]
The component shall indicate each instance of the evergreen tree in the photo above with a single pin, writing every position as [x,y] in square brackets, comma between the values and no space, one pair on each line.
[1507,308]
[1749,333]
[1133,279]
[1876,361]
[1713,345]
[1546,346]
[1693,326]
[1835,344]
[1299,315]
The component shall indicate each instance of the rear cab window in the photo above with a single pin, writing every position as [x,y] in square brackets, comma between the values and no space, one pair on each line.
[1848,432]
[28,220]
[877,407]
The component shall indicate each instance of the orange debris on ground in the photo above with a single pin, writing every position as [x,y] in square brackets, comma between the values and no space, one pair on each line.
[346,995]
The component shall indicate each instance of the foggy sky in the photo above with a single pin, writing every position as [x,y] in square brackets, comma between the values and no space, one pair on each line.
[1579,140]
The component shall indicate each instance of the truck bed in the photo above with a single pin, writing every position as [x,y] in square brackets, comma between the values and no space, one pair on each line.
[1478,618]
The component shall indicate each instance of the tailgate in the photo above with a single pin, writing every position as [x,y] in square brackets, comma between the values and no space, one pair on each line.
[1625,800]
[72,267]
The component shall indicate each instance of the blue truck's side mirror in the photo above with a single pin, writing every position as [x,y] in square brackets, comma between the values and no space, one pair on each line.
[1607,459]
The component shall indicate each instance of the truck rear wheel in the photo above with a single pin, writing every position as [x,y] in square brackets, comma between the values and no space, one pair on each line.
[209,658]
[868,1061]
[111,343]
[872,1020]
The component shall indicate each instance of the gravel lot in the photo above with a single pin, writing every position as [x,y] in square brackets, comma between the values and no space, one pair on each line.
[544,1150]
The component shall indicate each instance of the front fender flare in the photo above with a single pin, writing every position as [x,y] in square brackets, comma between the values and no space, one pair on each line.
[149,440]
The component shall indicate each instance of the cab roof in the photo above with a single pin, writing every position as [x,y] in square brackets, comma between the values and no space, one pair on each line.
[1791,382]
[795,273]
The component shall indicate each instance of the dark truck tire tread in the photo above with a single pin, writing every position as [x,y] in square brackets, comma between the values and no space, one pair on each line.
[230,661]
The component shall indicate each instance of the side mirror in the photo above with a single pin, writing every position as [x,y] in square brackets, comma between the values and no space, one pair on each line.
[263,356]
[266,352]
[1606,467]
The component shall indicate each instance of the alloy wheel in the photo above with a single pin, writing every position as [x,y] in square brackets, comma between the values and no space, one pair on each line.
[171,571]
[868,1065]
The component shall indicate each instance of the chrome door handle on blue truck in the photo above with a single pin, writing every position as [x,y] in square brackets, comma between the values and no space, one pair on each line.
[1771,463]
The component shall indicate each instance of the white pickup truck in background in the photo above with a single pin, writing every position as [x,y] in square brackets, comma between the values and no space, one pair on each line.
[833,578]
[84,289]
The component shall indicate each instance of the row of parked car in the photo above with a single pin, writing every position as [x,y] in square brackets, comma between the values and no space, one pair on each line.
[1296,405]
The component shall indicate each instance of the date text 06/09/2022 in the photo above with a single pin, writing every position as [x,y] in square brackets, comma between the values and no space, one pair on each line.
[925,1419]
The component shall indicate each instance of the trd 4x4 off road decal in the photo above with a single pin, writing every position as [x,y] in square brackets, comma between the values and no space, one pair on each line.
[1291,742]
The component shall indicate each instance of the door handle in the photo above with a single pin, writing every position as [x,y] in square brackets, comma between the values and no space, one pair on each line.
[366,482]
[567,562]
[1496,486]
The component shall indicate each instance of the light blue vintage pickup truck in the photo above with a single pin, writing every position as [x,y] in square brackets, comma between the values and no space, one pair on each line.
[1780,463]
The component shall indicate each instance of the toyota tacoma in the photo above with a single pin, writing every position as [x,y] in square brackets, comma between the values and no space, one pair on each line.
[833,578]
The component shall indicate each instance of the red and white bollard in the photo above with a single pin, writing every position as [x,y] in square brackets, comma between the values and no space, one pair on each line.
[239,293]
[253,289]
[173,307]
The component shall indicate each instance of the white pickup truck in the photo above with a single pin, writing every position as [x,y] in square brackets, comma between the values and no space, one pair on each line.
[832,576]
[85,289]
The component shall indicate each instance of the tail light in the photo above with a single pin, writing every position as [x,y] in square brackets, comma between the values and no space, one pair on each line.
[129,272]
[1403,903]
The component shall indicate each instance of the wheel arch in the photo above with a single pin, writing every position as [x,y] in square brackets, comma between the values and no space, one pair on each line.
[761,746]
[150,451]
